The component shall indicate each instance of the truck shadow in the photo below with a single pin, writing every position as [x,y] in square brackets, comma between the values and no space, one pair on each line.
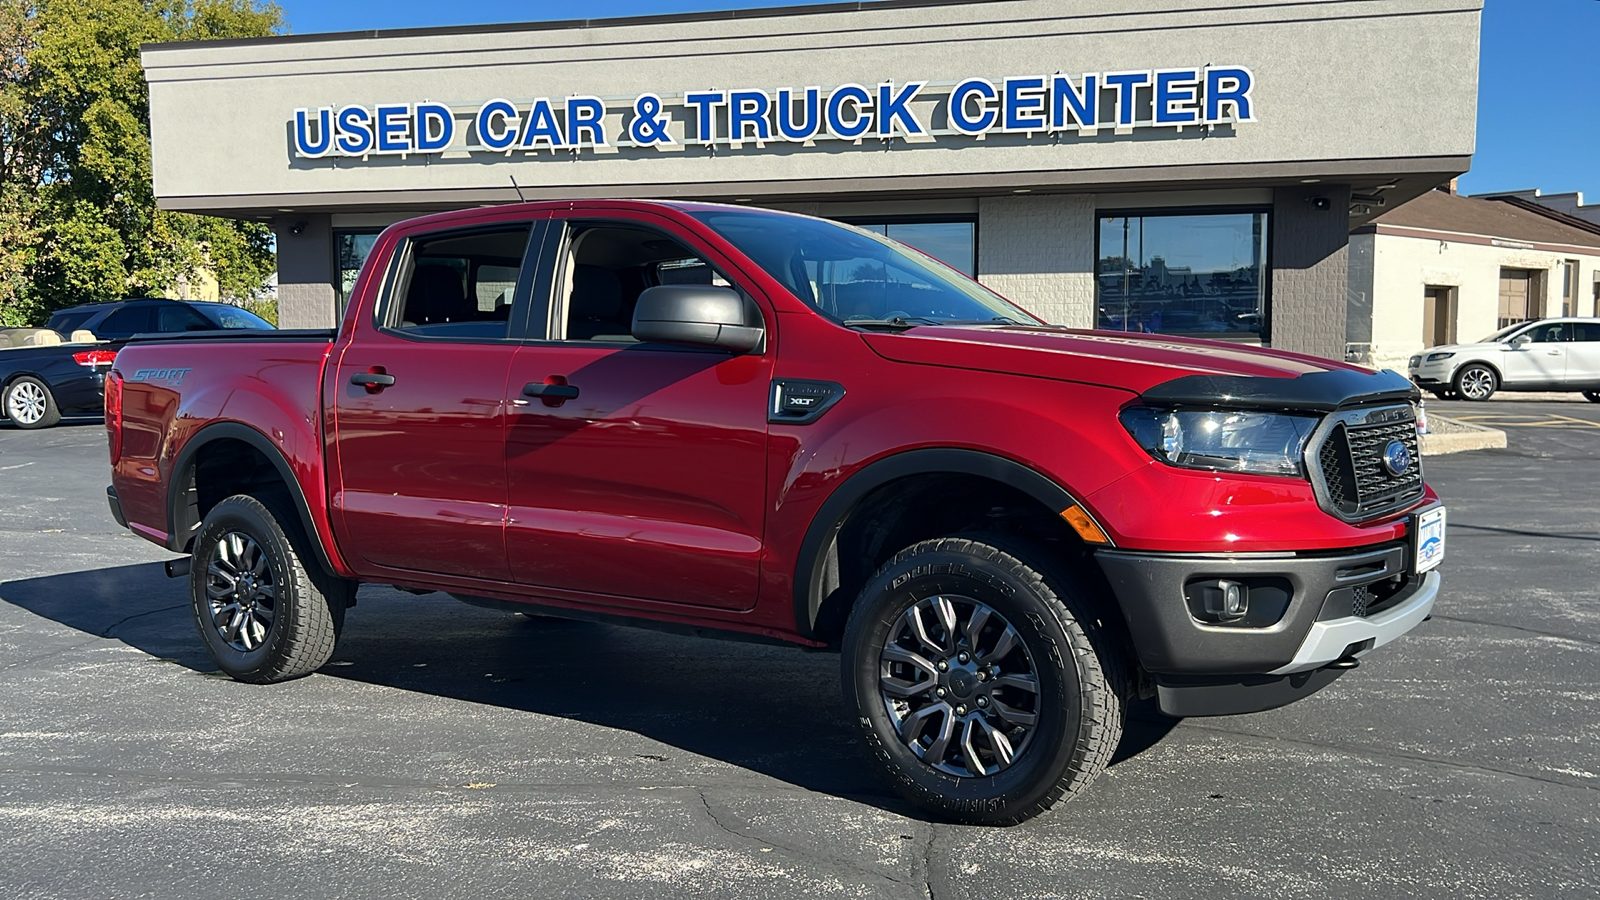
[770,709]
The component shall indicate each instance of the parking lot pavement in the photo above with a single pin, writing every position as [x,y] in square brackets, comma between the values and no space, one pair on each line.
[456,751]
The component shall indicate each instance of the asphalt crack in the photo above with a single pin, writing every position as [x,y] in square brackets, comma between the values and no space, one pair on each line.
[797,853]
[1373,753]
[149,612]
[1533,631]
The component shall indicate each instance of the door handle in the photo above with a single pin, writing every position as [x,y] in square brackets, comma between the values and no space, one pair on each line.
[372,381]
[550,391]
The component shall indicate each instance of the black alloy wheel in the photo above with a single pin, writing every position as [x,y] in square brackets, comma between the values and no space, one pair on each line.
[265,615]
[982,680]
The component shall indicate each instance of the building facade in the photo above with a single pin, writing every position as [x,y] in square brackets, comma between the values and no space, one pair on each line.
[1125,164]
[1446,269]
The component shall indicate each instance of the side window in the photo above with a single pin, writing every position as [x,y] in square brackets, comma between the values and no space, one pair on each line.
[1588,332]
[609,266]
[1553,333]
[125,321]
[459,285]
[180,318]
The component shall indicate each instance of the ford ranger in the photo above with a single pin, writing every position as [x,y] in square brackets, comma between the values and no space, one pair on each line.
[749,423]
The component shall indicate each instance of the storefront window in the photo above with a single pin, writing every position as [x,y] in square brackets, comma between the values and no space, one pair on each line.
[352,248]
[953,243]
[1202,274]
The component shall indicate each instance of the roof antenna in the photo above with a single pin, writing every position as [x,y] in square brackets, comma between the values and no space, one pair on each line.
[519,189]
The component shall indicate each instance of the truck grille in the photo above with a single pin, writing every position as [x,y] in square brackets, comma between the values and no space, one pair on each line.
[1356,483]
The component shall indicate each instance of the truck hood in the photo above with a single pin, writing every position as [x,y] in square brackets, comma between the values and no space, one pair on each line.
[1179,371]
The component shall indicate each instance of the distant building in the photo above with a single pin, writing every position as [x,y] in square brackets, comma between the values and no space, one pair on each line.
[1445,269]
[1570,203]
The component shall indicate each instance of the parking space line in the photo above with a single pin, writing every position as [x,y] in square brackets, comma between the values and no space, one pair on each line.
[1514,420]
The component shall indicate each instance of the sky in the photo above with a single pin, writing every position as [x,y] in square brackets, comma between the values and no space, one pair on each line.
[1539,81]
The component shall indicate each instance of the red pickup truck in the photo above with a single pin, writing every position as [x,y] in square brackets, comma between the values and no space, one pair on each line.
[754,424]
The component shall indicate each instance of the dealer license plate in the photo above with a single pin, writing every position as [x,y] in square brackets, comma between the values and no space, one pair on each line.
[1430,539]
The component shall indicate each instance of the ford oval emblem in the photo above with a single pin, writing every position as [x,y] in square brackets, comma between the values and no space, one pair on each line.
[1396,458]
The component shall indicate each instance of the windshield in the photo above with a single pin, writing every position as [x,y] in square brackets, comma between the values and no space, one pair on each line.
[852,275]
[67,322]
[1503,333]
[234,317]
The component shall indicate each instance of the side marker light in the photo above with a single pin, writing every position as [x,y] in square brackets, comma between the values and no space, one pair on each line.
[1084,526]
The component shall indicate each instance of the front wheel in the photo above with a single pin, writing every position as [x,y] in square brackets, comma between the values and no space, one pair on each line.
[982,680]
[264,615]
[1476,382]
[29,404]
[1592,396]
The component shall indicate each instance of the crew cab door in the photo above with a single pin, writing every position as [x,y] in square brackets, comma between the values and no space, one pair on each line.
[1542,360]
[418,397]
[642,475]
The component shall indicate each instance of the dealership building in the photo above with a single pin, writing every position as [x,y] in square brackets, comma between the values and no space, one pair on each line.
[1172,167]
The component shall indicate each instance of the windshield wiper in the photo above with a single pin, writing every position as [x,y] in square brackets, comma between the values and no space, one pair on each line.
[896,323]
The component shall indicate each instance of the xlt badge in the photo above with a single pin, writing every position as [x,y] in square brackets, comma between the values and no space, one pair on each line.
[797,402]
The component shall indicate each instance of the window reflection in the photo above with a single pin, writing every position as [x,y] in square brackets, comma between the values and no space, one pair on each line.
[1201,274]
[352,249]
[953,243]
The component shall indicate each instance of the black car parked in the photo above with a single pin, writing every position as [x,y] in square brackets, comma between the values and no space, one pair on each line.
[41,383]
[126,318]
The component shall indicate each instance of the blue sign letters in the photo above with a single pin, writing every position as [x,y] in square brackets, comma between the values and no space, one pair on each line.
[1200,96]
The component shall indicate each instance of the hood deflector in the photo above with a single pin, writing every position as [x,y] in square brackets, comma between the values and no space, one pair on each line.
[1321,391]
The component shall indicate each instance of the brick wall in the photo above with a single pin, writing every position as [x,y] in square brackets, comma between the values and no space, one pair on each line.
[1039,252]
[1310,269]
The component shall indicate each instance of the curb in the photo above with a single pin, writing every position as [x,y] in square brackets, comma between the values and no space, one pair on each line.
[1459,437]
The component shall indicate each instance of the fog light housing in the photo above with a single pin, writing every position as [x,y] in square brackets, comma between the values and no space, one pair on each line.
[1224,601]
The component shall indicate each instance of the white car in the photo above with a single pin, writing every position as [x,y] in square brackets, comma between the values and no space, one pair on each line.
[1544,355]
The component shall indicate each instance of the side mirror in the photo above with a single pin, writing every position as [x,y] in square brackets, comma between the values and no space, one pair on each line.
[695,315]
[1520,341]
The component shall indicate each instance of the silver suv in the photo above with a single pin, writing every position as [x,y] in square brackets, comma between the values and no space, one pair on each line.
[1544,355]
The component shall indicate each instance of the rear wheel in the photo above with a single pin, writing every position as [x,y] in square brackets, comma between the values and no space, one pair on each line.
[29,404]
[982,680]
[1476,382]
[264,615]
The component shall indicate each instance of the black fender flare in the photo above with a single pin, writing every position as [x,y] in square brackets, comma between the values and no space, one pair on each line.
[825,526]
[182,507]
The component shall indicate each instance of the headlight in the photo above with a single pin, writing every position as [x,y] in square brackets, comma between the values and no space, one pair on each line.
[1259,443]
[1435,357]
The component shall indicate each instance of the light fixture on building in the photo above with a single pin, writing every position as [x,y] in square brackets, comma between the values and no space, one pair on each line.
[1023,191]
[297,227]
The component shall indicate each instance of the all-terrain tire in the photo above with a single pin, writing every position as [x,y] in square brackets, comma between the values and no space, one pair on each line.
[1083,681]
[306,605]
[28,403]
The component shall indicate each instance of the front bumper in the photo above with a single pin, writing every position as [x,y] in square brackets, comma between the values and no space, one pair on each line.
[1321,609]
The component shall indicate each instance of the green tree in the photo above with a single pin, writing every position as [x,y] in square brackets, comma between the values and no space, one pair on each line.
[78,218]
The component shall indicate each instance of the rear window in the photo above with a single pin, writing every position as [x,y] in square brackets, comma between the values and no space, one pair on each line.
[126,321]
[460,284]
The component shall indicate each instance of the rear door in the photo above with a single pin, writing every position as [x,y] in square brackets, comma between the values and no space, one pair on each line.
[650,483]
[1583,356]
[418,402]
